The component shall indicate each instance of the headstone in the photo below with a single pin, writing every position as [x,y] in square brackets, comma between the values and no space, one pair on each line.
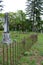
[6,34]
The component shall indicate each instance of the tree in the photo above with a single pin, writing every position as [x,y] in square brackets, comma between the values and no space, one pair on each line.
[34,8]
[12,20]
[21,17]
[17,20]
[1,15]
[1,6]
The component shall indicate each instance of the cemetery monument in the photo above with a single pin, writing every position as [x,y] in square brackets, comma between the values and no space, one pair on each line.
[6,35]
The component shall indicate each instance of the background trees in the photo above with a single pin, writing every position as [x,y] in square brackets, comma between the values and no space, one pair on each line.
[34,10]
[17,20]
[1,15]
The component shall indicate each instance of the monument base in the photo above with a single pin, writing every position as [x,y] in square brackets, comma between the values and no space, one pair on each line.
[6,38]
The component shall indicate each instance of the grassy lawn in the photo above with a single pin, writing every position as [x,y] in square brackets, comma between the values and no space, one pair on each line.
[35,55]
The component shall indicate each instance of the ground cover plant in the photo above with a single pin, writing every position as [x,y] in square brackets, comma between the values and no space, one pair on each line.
[34,56]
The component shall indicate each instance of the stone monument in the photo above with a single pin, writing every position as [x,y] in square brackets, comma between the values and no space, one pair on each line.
[6,34]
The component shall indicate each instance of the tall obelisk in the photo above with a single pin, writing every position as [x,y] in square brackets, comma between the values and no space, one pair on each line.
[6,35]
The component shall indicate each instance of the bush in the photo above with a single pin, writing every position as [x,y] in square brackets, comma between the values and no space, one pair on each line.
[27,43]
[34,37]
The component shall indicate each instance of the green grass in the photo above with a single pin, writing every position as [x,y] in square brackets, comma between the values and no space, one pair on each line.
[39,46]
[15,35]
[35,52]
[1,35]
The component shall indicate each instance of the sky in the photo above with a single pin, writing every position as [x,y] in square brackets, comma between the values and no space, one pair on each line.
[14,5]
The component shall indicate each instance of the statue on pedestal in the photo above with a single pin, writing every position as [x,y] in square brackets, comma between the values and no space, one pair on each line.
[6,35]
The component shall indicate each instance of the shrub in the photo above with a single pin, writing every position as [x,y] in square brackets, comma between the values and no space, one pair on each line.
[27,43]
[34,37]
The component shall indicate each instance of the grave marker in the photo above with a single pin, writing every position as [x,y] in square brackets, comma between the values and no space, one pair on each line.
[6,34]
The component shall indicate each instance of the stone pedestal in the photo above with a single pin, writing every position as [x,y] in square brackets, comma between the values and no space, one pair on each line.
[6,38]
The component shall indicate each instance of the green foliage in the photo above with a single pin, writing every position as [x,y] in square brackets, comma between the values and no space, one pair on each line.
[41,62]
[1,27]
[0,59]
[31,53]
[26,61]
[33,62]
[19,22]
[33,11]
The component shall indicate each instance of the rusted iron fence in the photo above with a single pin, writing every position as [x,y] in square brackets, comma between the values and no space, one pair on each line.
[12,53]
